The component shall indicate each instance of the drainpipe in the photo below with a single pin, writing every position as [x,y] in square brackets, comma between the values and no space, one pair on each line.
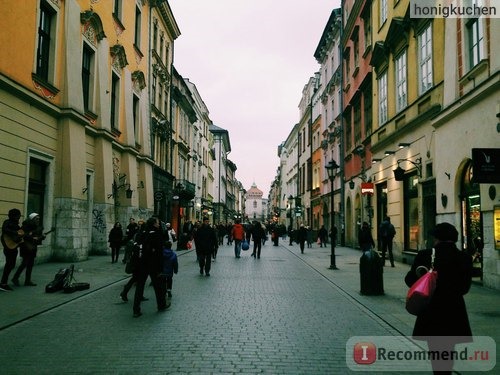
[342,133]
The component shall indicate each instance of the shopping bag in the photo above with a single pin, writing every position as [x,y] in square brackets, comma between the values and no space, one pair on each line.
[245,245]
[420,294]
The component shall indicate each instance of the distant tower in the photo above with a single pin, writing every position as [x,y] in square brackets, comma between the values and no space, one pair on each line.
[254,209]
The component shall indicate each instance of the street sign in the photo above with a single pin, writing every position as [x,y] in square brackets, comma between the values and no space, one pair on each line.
[159,195]
[367,188]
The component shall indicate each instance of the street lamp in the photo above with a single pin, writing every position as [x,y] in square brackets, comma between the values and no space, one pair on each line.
[290,200]
[331,169]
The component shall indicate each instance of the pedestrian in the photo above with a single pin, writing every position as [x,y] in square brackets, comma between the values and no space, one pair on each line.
[275,237]
[132,229]
[258,235]
[33,236]
[238,234]
[302,237]
[333,234]
[134,254]
[12,236]
[445,321]
[365,238]
[115,240]
[207,243]
[229,226]
[151,264]
[221,232]
[387,233]
[170,233]
[170,266]
[309,237]
[322,233]
[290,234]
[264,239]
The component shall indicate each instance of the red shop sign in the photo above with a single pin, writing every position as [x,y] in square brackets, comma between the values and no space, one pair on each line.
[367,188]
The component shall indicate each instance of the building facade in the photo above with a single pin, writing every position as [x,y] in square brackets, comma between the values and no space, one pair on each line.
[75,130]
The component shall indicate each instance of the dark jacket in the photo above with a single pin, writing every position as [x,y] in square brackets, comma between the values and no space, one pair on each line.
[365,239]
[446,315]
[206,240]
[170,263]
[151,254]
[322,233]
[32,238]
[302,235]
[258,233]
[387,230]
[115,237]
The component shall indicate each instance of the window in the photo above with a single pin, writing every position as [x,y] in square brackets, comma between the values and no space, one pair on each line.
[382,98]
[367,108]
[45,58]
[475,41]
[162,44]
[383,11]
[401,86]
[367,31]
[155,35]
[115,101]
[117,9]
[87,76]
[425,59]
[356,52]
[136,115]
[37,186]
[357,121]
[137,35]
[153,90]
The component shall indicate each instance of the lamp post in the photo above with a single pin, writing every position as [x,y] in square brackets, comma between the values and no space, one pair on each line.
[290,232]
[331,169]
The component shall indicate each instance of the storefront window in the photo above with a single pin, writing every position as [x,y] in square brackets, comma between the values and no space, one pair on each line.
[412,227]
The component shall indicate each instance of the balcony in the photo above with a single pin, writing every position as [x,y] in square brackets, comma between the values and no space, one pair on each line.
[184,189]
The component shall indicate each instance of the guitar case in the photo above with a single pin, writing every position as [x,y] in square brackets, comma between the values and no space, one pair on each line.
[59,280]
[70,284]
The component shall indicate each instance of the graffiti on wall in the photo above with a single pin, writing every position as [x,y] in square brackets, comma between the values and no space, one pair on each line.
[98,222]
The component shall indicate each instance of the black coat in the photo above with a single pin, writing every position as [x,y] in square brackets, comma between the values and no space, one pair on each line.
[206,240]
[446,315]
[365,239]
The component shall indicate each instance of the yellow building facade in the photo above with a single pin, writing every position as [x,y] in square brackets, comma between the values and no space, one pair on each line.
[74,125]
[408,66]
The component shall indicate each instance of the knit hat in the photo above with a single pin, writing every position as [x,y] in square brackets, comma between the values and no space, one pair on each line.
[33,215]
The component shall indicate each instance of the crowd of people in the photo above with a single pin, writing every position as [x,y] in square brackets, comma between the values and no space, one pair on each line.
[150,252]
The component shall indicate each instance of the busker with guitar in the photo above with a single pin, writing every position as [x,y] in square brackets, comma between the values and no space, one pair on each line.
[33,236]
[12,236]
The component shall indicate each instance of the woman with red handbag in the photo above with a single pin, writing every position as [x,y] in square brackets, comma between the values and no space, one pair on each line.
[444,322]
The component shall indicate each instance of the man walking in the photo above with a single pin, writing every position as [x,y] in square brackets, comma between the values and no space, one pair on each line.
[387,233]
[238,234]
[207,244]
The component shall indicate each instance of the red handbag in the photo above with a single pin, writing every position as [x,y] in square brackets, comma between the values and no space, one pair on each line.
[420,294]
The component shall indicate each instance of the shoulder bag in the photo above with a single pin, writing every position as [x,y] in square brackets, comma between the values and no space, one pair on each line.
[420,294]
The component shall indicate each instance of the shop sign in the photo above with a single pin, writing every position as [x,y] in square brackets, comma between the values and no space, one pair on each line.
[367,188]
[486,165]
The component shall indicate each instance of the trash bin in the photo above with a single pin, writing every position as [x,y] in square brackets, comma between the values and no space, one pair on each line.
[371,274]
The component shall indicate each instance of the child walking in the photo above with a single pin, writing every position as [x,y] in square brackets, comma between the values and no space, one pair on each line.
[170,266]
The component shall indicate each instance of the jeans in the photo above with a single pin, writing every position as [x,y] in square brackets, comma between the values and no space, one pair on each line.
[237,248]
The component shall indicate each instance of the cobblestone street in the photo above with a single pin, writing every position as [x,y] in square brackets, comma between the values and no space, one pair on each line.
[276,315]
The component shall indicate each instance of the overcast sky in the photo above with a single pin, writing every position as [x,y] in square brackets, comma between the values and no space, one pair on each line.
[250,60]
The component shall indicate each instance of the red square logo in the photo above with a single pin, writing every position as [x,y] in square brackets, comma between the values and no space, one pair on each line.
[365,353]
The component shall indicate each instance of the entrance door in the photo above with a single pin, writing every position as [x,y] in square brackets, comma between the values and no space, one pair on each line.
[472,221]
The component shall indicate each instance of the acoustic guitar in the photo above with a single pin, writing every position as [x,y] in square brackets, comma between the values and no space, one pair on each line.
[31,244]
[12,243]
